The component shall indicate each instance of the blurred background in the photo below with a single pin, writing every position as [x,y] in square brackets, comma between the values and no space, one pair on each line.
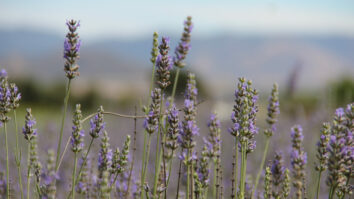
[307,47]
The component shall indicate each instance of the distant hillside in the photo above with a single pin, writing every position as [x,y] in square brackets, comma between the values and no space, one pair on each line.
[219,59]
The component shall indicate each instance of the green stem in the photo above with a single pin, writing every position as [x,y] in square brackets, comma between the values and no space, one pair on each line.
[261,166]
[28,169]
[188,176]
[243,170]
[175,86]
[318,184]
[158,151]
[82,165]
[18,156]
[214,180]
[331,192]
[7,164]
[142,177]
[66,99]
[147,158]
[236,166]
[74,175]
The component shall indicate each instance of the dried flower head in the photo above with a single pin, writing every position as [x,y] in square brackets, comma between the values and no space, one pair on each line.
[155,48]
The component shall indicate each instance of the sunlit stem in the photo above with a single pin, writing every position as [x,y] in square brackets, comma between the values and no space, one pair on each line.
[66,99]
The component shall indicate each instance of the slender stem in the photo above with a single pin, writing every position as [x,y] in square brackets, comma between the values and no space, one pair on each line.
[7,164]
[318,184]
[74,175]
[18,156]
[170,168]
[143,165]
[133,158]
[28,169]
[214,180]
[147,158]
[179,178]
[188,176]
[82,165]
[236,166]
[243,170]
[332,191]
[158,151]
[261,166]
[63,154]
[66,99]
[156,163]
[175,85]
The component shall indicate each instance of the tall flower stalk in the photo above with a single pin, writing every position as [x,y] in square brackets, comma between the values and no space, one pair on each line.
[214,147]
[163,67]
[5,108]
[30,134]
[298,162]
[181,52]
[189,130]
[147,141]
[273,111]
[14,100]
[76,143]
[322,154]
[72,45]
[244,126]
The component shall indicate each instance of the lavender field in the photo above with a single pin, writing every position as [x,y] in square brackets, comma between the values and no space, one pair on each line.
[179,127]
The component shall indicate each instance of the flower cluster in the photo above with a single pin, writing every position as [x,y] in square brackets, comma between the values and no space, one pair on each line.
[5,98]
[77,142]
[189,127]
[152,118]
[120,159]
[83,184]
[213,141]
[184,45]
[201,174]
[244,112]
[163,64]
[49,177]
[28,130]
[172,132]
[155,50]
[72,45]
[104,156]
[340,149]
[97,124]
[273,111]
[322,148]
[278,172]
[298,160]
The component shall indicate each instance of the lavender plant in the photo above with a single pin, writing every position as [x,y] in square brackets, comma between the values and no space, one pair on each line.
[114,175]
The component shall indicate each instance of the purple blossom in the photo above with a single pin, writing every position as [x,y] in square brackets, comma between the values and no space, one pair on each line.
[3,73]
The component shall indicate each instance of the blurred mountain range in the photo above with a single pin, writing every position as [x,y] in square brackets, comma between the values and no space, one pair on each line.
[219,60]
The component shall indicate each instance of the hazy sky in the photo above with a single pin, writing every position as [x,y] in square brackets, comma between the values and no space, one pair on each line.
[132,18]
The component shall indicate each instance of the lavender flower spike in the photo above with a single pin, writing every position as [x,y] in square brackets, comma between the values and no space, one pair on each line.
[77,142]
[72,46]
[104,156]
[298,161]
[5,99]
[184,45]
[15,96]
[97,124]
[273,111]
[163,64]
[322,148]
[28,130]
